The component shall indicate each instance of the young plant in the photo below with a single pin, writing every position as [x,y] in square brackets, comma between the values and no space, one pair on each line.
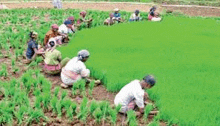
[4,71]
[93,106]
[131,118]
[73,106]
[98,115]
[35,115]
[82,115]
[147,110]
[37,103]
[53,104]
[91,86]
[63,95]
[74,88]
[59,109]
[20,113]
[118,108]
[46,100]
[113,116]
[56,91]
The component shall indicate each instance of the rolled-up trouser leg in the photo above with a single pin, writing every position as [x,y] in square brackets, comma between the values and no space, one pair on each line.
[128,107]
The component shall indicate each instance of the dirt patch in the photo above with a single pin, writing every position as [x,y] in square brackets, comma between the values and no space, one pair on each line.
[105,6]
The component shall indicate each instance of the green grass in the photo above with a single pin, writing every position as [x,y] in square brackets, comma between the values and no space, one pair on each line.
[183,54]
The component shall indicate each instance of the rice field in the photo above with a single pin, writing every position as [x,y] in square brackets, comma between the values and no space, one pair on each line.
[182,53]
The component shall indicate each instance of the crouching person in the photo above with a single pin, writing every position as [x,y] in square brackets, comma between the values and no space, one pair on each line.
[133,94]
[53,60]
[33,48]
[153,15]
[109,21]
[135,16]
[75,69]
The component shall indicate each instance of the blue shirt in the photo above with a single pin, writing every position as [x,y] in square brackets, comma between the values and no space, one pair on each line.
[117,15]
[30,50]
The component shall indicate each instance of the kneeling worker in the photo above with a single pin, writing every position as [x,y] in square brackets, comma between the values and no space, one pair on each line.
[133,94]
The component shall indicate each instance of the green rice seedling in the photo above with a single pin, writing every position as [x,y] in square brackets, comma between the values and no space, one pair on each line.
[38,101]
[69,113]
[63,94]
[56,91]
[4,71]
[35,115]
[46,100]
[131,118]
[53,104]
[59,109]
[5,114]
[67,104]
[93,106]
[98,115]
[39,59]
[147,110]
[74,107]
[113,115]
[37,92]
[118,107]
[20,113]
[91,86]
[154,123]
[82,115]
[37,72]
[104,106]
[74,88]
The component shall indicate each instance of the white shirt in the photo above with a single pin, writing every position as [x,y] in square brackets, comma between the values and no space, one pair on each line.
[129,92]
[64,29]
[134,16]
[78,67]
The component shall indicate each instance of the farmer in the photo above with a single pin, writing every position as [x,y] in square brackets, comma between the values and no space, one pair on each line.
[51,33]
[53,60]
[32,50]
[57,4]
[153,16]
[66,28]
[133,94]
[2,6]
[135,16]
[117,15]
[109,21]
[75,69]
[72,19]
[82,20]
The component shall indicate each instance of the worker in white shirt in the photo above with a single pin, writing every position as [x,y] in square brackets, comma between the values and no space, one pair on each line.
[133,94]
[135,16]
[66,28]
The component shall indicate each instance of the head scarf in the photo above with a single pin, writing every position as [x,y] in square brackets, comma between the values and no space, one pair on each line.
[52,47]
[83,54]
[137,12]
[68,22]
[150,80]
[55,26]
[116,9]
[111,15]
[71,18]
[83,13]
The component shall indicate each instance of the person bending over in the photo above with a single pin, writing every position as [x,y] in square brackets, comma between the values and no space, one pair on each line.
[153,16]
[75,69]
[135,16]
[32,49]
[53,60]
[133,94]
[109,21]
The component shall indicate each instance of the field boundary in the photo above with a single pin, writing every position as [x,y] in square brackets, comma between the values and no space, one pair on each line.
[191,6]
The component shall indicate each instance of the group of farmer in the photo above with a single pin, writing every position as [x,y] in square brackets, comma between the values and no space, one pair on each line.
[72,70]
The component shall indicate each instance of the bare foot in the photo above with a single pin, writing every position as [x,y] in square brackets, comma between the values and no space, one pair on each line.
[64,86]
